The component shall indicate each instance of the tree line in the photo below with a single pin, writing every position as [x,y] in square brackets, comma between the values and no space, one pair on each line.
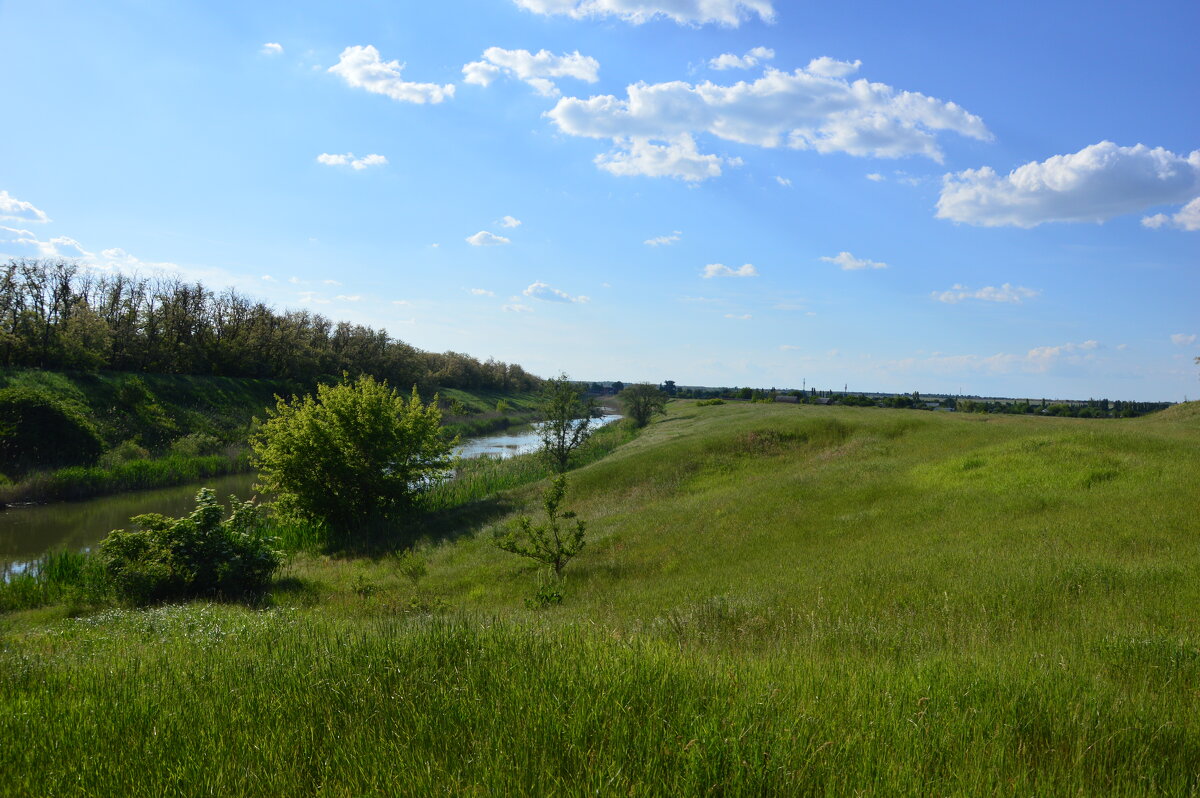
[55,314]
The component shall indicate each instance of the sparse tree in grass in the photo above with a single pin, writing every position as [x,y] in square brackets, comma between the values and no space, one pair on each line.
[550,543]
[642,402]
[355,452]
[566,420]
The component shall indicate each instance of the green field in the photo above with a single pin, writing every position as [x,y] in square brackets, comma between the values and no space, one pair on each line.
[774,600]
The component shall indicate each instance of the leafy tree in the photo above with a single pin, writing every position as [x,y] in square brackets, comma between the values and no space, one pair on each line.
[354,452]
[546,543]
[566,420]
[197,555]
[38,430]
[643,401]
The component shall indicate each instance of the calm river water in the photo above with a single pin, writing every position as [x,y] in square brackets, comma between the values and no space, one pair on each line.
[28,532]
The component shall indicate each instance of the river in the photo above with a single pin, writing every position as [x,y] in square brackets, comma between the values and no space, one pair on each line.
[27,532]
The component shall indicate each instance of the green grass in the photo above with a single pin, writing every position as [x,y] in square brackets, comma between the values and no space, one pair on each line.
[774,600]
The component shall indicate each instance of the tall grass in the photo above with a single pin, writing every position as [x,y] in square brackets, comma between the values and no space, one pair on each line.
[214,700]
[82,482]
[55,577]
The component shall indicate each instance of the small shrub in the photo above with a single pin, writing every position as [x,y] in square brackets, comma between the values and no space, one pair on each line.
[122,453]
[548,594]
[198,555]
[546,543]
[709,402]
[196,444]
[412,565]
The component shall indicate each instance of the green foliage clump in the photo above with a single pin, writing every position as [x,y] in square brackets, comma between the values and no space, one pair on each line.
[122,453]
[546,543]
[355,452]
[196,444]
[198,555]
[40,431]
[710,402]
[642,401]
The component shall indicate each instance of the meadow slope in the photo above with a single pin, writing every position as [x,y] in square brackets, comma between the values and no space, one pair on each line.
[774,600]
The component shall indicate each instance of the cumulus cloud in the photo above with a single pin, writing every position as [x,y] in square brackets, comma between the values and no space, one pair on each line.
[812,108]
[1180,339]
[1095,184]
[721,270]
[547,293]
[1005,293]
[509,221]
[783,181]
[348,159]
[730,13]
[485,239]
[482,292]
[362,68]
[272,48]
[747,61]
[678,158]
[18,242]
[663,241]
[875,177]
[1039,360]
[15,210]
[850,263]
[536,69]
[1188,218]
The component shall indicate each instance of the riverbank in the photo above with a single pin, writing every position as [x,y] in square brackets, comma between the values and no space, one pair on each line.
[160,430]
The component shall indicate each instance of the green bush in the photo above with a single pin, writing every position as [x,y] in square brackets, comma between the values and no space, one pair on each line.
[198,555]
[122,453]
[196,444]
[355,453]
[709,402]
[40,431]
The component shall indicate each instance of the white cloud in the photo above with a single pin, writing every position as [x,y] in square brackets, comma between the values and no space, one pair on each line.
[509,221]
[813,108]
[685,12]
[1188,218]
[1095,184]
[876,177]
[783,181]
[485,239]
[15,210]
[850,263]
[272,48]
[540,290]
[1180,339]
[678,159]
[482,292]
[362,68]
[349,298]
[401,302]
[721,270]
[536,69]
[348,159]
[331,282]
[268,278]
[1039,360]
[663,241]
[516,307]
[789,347]
[1005,293]
[747,61]
[739,316]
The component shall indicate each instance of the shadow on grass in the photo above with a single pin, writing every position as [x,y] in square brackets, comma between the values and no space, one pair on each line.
[436,526]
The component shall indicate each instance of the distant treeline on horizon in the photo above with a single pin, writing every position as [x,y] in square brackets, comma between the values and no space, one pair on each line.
[56,315]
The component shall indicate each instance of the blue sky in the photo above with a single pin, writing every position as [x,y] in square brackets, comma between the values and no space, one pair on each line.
[986,198]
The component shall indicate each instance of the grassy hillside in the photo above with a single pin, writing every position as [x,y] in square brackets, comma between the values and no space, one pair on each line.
[774,600]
